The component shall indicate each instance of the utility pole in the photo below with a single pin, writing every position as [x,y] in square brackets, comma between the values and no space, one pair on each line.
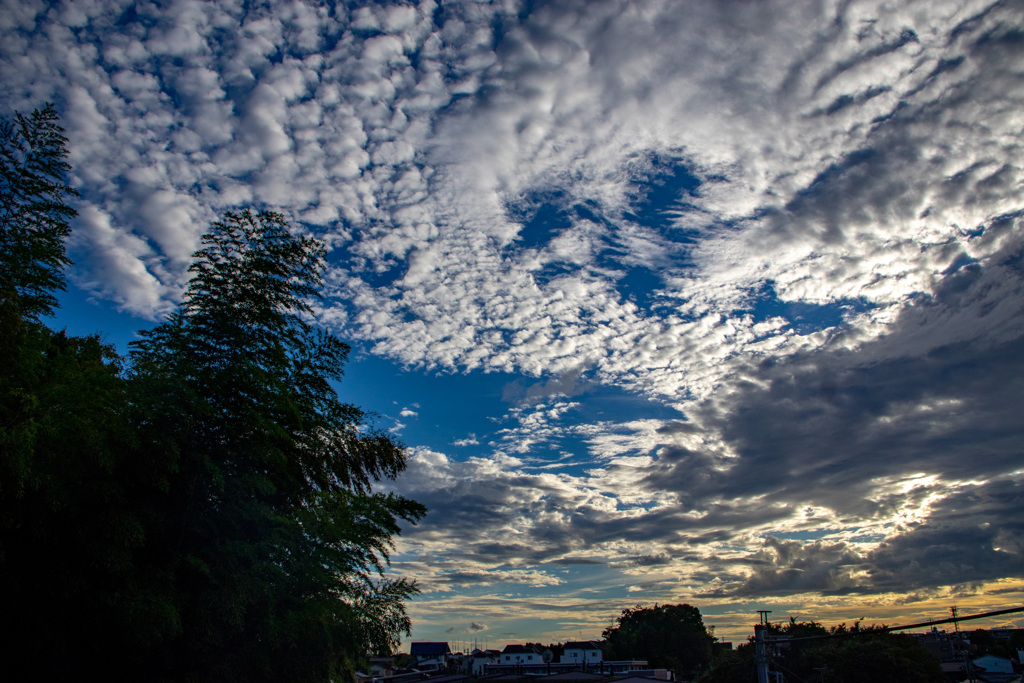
[761,647]
[762,640]
[962,652]
[760,654]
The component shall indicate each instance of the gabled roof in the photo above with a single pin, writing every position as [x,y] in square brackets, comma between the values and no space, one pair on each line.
[584,645]
[520,649]
[427,649]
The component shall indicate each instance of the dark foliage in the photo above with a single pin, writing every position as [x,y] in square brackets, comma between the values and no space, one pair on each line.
[986,644]
[667,636]
[209,513]
[839,654]
[69,526]
[273,480]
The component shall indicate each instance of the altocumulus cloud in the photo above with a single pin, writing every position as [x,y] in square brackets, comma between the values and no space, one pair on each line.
[795,227]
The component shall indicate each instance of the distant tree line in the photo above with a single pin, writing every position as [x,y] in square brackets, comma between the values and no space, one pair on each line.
[839,654]
[205,508]
[987,644]
[674,637]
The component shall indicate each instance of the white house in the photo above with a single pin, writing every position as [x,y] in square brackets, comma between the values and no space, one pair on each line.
[521,654]
[583,652]
[481,659]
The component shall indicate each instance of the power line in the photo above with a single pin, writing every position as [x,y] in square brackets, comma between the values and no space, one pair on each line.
[887,629]
[763,654]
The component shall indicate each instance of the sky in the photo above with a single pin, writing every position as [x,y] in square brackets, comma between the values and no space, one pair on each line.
[716,302]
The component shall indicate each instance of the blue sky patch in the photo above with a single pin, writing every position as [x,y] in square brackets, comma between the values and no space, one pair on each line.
[803,318]
[82,314]
[663,190]
[542,217]
[639,285]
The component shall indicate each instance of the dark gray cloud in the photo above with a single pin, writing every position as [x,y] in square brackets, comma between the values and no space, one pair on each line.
[938,397]
[822,428]
[647,561]
[577,560]
[792,567]
[972,536]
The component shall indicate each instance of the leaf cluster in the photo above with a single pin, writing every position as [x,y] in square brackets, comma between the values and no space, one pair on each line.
[34,214]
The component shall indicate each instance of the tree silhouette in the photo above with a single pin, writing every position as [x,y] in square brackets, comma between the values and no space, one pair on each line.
[667,636]
[279,538]
[209,510]
[34,214]
[69,523]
